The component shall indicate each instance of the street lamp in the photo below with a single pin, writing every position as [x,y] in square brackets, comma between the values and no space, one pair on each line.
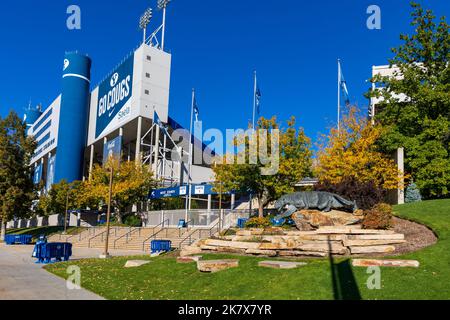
[162,5]
[108,213]
[145,20]
[67,210]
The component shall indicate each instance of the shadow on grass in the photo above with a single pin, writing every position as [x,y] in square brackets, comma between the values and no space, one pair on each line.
[344,282]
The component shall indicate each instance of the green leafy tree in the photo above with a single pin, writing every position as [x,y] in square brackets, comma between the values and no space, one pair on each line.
[16,185]
[294,150]
[132,183]
[60,195]
[420,122]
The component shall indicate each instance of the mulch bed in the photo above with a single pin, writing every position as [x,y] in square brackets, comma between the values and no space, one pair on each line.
[417,236]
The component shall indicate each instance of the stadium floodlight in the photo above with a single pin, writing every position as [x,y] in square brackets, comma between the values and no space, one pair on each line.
[162,5]
[145,20]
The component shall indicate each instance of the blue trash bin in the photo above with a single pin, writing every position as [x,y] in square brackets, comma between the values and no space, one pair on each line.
[241,222]
[160,246]
[182,223]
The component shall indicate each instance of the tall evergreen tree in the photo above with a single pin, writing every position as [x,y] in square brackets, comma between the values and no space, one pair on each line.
[16,184]
[416,103]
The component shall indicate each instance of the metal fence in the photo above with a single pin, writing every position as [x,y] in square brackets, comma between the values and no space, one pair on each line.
[198,218]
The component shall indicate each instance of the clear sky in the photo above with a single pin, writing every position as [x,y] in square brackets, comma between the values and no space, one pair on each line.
[216,45]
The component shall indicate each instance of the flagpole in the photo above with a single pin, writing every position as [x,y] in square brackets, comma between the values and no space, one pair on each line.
[254,99]
[339,97]
[188,197]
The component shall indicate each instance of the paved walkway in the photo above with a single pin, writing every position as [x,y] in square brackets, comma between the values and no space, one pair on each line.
[21,278]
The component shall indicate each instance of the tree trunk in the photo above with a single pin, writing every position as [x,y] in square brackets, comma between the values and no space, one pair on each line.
[118,215]
[3,233]
[260,208]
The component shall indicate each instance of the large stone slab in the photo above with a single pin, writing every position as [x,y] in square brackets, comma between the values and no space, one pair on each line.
[396,236]
[385,263]
[372,249]
[190,250]
[250,232]
[359,243]
[189,259]
[212,266]
[351,230]
[136,263]
[297,253]
[269,253]
[232,244]
[325,247]
[281,264]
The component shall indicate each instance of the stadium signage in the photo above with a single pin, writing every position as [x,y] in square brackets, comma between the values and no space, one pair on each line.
[114,93]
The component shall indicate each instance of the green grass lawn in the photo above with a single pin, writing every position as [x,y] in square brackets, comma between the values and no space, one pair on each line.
[163,278]
[47,231]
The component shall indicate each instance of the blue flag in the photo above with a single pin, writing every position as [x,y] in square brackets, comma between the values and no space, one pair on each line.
[343,85]
[258,100]
[196,110]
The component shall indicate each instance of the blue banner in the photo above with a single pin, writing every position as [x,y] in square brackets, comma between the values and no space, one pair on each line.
[204,189]
[37,176]
[50,172]
[113,149]
[114,93]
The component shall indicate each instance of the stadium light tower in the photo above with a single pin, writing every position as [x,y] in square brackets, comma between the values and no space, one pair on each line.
[145,20]
[162,5]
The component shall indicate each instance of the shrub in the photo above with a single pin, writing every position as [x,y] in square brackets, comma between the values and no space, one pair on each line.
[412,193]
[379,217]
[258,223]
[366,194]
[132,221]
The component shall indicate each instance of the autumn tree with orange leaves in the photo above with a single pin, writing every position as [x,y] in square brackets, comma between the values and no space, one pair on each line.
[352,152]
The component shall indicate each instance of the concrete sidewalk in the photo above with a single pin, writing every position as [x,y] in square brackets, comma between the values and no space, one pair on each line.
[22,279]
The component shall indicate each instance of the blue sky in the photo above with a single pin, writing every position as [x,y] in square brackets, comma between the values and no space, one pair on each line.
[216,45]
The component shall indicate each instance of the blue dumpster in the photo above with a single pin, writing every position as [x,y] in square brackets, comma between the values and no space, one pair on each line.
[160,246]
[45,252]
[241,222]
[19,239]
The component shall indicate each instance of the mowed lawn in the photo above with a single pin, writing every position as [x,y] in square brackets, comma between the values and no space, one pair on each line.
[163,278]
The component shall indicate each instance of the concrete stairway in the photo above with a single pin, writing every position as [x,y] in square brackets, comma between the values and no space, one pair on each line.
[133,239]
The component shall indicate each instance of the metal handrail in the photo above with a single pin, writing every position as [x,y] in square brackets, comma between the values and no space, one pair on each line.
[126,235]
[79,234]
[199,231]
[101,234]
[154,234]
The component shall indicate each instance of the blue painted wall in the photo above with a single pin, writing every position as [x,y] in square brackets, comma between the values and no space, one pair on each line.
[73,117]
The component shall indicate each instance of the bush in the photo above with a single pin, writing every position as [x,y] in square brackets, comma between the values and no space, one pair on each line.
[412,194]
[132,221]
[379,217]
[258,223]
[366,194]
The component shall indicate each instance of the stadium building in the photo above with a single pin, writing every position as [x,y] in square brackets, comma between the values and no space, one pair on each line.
[126,115]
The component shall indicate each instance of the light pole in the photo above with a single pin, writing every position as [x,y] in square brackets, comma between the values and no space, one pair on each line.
[67,209]
[144,21]
[108,213]
[162,5]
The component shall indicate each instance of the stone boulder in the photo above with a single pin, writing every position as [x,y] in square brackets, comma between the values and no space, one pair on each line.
[135,263]
[216,265]
[307,220]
